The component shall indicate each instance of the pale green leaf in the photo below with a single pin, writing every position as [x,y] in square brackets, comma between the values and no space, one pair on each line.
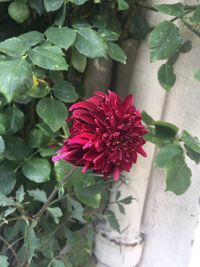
[56,213]
[52,5]
[122,5]
[4,261]
[31,38]
[38,195]
[171,9]
[13,47]
[20,194]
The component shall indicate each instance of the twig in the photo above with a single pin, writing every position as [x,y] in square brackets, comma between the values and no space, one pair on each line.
[11,249]
[52,195]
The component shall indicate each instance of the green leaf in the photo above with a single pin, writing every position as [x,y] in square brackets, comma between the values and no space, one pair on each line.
[31,38]
[138,27]
[108,35]
[37,170]
[112,220]
[166,153]
[31,242]
[37,138]
[116,53]
[13,47]
[192,154]
[4,261]
[19,11]
[56,213]
[196,15]
[48,59]
[7,179]
[186,47]
[39,91]
[3,124]
[165,130]
[65,92]
[178,175]
[20,194]
[78,2]
[118,195]
[2,146]
[88,191]
[38,6]
[197,75]
[127,200]
[76,209]
[16,148]
[191,142]
[171,9]
[53,112]
[121,208]
[15,119]
[63,37]
[6,201]
[61,168]
[122,5]
[78,60]
[18,78]
[166,76]
[165,40]
[90,44]
[52,5]
[147,119]
[48,152]
[38,195]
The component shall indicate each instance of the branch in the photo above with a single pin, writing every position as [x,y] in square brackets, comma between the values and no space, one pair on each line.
[52,195]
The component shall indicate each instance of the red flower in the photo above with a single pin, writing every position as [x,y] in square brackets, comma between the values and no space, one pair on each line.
[106,135]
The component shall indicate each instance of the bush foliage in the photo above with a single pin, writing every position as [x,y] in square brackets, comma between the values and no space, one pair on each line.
[48,212]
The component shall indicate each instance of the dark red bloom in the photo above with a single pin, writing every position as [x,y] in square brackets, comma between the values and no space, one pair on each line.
[106,135]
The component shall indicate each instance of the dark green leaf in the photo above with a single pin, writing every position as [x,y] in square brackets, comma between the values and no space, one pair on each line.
[7,179]
[39,91]
[167,153]
[48,152]
[38,195]
[112,220]
[37,138]
[126,200]
[191,142]
[31,38]
[4,125]
[13,47]
[171,9]
[196,15]
[121,208]
[138,27]
[61,168]
[48,58]
[53,112]
[116,53]
[52,5]
[90,44]
[31,242]
[165,130]
[78,60]
[37,5]
[4,261]
[118,195]
[15,118]
[37,170]
[56,213]
[16,148]
[165,40]
[166,76]
[147,119]
[186,47]
[18,78]
[178,175]
[76,209]
[192,155]
[63,37]
[65,92]
[122,5]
